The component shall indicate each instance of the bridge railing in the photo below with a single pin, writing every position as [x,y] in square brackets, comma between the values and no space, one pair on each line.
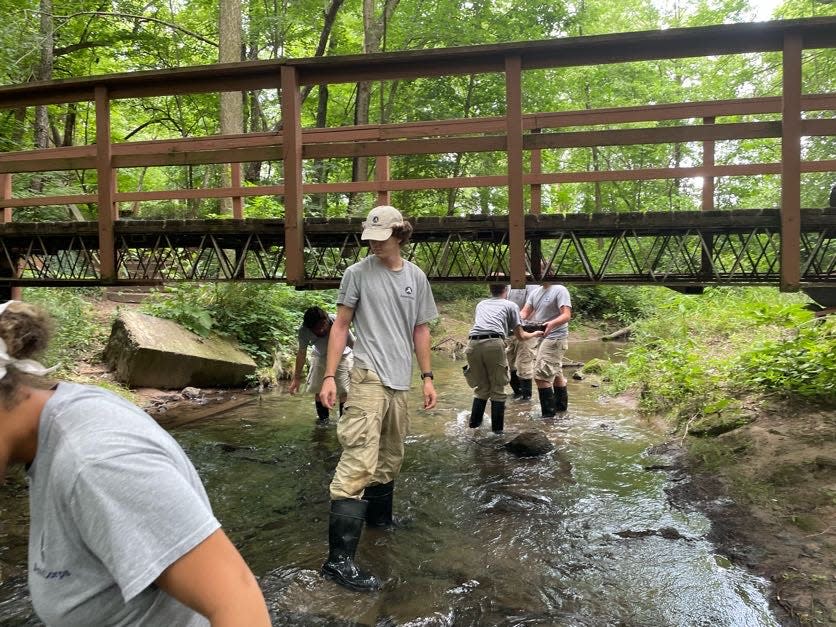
[515,133]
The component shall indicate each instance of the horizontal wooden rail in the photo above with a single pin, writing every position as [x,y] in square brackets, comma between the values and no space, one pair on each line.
[370,140]
[644,174]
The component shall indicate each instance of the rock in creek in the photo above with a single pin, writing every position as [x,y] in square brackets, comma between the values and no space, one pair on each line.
[529,444]
[149,352]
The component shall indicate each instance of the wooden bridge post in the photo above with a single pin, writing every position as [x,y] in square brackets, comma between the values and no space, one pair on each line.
[536,205]
[294,236]
[106,186]
[237,213]
[6,194]
[791,164]
[7,291]
[514,133]
[707,201]
[381,175]
[235,180]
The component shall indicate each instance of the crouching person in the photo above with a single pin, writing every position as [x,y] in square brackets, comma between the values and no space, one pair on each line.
[487,365]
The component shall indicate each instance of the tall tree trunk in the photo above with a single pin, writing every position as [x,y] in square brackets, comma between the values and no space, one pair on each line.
[374,30]
[453,192]
[232,107]
[320,201]
[44,74]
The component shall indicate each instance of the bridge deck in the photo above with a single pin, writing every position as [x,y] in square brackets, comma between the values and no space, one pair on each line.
[681,248]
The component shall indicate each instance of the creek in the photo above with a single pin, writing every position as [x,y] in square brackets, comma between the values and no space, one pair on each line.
[584,535]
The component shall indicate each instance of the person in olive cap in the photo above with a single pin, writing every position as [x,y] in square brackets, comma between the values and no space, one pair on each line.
[390,303]
[487,366]
[315,331]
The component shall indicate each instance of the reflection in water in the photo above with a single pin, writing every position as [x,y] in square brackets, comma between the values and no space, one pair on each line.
[581,536]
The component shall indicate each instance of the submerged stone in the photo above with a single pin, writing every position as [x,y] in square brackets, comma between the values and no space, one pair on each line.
[530,444]
[145,351]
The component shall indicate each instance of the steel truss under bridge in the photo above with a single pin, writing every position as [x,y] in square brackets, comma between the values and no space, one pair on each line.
[671,249]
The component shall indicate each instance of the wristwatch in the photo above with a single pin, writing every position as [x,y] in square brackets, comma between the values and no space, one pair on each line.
[428,374]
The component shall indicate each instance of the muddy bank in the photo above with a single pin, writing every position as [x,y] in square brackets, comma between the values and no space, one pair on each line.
[769,489]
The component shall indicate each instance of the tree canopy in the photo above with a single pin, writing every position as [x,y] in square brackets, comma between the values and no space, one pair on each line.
[42,40]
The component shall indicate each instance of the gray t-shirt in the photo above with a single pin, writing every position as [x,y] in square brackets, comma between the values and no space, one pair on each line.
[546,303]
[320,344]
[519,296]
[114,501]
[496,315]
[388,305]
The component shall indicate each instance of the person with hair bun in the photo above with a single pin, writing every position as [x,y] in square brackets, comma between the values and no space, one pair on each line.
[121,529]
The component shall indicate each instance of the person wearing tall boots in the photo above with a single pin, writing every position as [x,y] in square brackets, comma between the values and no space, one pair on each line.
[389,300]
[487,367]
[520,354]
[315,331]
[551,305]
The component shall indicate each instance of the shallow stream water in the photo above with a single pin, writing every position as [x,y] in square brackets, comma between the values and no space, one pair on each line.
[582,536]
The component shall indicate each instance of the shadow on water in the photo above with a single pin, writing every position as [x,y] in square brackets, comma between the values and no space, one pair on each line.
[581,536]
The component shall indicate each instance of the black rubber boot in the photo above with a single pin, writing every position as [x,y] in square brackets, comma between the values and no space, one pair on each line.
[322,413]
[379,512]
[497,416]
[515,384]
[547,402]
[344,528]
[525,390]
[561,398]
[477,412]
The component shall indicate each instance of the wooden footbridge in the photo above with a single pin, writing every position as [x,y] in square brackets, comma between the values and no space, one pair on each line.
[789,246]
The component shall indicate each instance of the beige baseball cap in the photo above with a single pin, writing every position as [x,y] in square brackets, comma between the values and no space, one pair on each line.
[379,223]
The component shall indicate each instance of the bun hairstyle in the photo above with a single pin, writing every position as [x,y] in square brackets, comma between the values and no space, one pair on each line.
[26,330]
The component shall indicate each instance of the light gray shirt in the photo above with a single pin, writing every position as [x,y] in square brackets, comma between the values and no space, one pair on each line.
[496,315]
[519,296]
[320,344]
[546,303]
[388,305]
[114,501]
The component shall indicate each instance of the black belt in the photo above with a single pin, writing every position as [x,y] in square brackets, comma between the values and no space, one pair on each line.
[487,336]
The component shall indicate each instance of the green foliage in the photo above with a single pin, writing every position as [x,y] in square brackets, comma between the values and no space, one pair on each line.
[188,304]
[622,304]
[691,354]
[262,318]
[449,292]
[76,334]
[802,364]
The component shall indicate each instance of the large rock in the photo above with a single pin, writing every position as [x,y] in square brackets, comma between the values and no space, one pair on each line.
[530,444]
[150,352]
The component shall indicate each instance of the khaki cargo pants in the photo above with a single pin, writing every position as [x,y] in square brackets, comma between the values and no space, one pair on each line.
[526,352]
[487,368]
[342,378]
[549,363]
[372,432]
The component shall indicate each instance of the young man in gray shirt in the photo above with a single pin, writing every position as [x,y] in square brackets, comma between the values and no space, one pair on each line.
[315,331]
[390,302]
[551,305]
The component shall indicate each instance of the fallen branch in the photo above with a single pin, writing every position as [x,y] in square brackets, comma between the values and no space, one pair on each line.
[617,335]
[446,339]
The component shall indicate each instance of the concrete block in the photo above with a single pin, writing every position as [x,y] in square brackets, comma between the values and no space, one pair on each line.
[145,351]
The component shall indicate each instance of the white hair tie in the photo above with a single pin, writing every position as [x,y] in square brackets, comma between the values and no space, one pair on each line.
[29,366]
